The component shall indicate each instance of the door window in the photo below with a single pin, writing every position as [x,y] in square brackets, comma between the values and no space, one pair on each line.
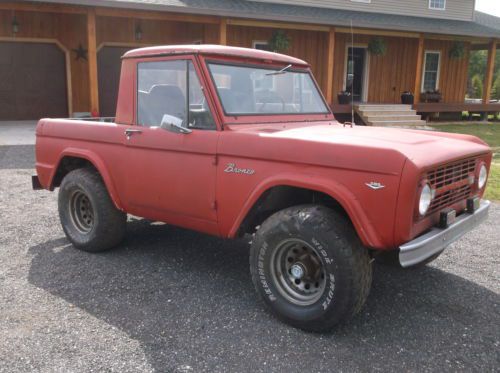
[170,92]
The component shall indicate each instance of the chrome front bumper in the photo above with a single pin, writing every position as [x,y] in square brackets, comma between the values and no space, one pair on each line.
[436,240]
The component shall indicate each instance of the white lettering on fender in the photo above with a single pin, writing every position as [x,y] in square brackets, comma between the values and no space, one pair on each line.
[231,168]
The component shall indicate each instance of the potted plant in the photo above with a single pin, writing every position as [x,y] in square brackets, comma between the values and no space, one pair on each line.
[377,46]
[279,41]
[457,50]
[344,97]
[407,98]
[431,96]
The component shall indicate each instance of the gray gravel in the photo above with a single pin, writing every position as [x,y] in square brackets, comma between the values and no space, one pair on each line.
[171,300]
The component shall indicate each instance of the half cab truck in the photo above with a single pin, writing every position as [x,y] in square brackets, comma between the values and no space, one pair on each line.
[232,141]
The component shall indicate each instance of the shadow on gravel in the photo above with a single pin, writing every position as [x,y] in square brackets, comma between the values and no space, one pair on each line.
[17,157]
[189,300]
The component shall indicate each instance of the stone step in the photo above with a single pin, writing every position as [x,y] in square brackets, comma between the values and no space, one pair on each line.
[399,123]
[369,113]
[390,117]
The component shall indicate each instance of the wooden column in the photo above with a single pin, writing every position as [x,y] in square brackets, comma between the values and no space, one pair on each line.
[490,68]
[418,70]
[223,32]
[92,58]
[329,65]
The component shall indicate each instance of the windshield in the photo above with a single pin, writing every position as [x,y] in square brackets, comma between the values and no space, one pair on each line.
[247,90]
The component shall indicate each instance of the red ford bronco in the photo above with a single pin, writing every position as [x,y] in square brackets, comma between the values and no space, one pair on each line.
[231,141]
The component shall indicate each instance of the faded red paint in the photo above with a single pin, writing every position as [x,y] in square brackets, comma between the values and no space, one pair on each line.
[180,179]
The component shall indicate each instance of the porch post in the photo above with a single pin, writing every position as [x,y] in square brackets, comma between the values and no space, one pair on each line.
[488,79]
[223,32]
[92,57]
[329,65]
[418,71]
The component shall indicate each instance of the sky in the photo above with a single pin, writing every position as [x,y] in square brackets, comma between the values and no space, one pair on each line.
[489,6]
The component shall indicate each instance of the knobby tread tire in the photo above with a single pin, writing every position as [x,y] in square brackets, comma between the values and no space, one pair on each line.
[110,223]
[353,263]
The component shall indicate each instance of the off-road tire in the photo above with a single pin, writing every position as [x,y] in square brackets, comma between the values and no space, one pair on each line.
[108,223]
[391,259]
[346,262]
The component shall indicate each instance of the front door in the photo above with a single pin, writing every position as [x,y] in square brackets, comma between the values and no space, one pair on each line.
[171,175]
[356,59]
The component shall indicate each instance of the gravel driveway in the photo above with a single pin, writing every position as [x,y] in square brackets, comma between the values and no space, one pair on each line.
[170,300]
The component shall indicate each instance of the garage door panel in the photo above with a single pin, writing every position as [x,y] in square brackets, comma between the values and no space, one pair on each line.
[32,81]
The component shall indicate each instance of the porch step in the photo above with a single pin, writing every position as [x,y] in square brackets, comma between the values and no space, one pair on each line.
[389,115]
[396,123]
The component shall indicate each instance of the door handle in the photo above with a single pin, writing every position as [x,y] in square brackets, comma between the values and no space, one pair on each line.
[130,131]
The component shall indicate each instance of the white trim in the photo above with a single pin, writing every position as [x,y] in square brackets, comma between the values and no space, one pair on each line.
[362,1]
[366,69]
[438,69]
[434,8]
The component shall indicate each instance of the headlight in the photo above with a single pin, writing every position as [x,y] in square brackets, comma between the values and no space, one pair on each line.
[425,199]
[483,175]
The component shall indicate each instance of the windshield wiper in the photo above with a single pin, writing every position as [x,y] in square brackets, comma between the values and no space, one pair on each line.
[282,71]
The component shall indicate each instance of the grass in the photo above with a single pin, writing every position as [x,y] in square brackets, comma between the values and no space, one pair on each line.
[490,133]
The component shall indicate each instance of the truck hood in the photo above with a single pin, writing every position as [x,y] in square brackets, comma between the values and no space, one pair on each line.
[370,149]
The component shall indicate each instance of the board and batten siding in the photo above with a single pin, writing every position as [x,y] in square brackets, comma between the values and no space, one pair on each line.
[455,9]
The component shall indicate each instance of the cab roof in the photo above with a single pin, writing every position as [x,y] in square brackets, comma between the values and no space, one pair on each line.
[207,49]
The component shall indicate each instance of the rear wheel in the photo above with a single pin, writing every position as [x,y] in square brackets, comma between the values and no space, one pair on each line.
[88,216]
[310,268]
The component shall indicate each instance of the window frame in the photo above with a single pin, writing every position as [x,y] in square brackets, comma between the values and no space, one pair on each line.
[362,1]
[436,8]
[438,72]
[201,78]
[263,67]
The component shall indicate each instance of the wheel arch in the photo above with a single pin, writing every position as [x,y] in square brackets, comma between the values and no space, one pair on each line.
[72,159]
[286,192]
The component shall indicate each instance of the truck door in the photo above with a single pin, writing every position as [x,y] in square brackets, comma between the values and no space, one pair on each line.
[171,151]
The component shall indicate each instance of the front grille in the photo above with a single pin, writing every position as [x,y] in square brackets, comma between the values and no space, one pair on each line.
[452,183]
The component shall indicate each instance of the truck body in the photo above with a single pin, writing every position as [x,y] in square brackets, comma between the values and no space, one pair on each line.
[231,165]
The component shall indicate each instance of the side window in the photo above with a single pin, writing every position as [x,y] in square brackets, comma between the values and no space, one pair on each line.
[161,91]
[164,88]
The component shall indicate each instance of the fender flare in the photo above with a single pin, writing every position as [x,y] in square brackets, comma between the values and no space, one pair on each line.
[338,191]
[99,165]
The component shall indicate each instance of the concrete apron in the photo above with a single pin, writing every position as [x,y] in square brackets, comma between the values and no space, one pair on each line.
[17,132]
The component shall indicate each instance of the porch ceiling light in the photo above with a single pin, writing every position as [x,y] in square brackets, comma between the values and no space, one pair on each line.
[138,32]
[15,25]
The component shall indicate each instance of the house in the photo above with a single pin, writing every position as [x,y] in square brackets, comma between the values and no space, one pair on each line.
[62,57]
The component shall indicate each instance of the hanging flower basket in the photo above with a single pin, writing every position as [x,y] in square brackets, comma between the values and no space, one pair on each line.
[279,41]
[457,50]
[377,46]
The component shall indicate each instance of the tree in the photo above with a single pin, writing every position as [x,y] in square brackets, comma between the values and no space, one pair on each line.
[477,72]
[477,86]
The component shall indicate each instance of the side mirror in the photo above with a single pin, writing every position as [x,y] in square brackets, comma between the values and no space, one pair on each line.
[174,124]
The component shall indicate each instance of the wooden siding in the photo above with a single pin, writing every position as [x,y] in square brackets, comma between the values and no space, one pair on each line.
[311,46]
[388,75]
[455,9]
[453,72]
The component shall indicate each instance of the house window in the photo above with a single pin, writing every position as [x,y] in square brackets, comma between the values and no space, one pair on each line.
[437,4]
[261,45]
[431,71]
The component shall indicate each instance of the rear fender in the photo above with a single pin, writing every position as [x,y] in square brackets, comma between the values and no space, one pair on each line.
[99,165]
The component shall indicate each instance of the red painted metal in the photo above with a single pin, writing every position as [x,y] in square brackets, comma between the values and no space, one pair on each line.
[181,179]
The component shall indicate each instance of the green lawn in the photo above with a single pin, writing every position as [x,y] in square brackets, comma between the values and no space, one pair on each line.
[490,133]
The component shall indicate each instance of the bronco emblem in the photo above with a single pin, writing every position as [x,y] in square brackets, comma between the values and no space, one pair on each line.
[375,185]
[231,168]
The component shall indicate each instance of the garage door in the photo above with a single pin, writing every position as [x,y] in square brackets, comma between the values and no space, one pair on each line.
[32,81]
[109,66]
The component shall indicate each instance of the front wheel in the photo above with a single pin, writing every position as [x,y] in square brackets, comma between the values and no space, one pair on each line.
[310,268]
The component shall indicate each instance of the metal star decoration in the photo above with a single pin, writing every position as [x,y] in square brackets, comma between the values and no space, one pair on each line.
[81,52]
